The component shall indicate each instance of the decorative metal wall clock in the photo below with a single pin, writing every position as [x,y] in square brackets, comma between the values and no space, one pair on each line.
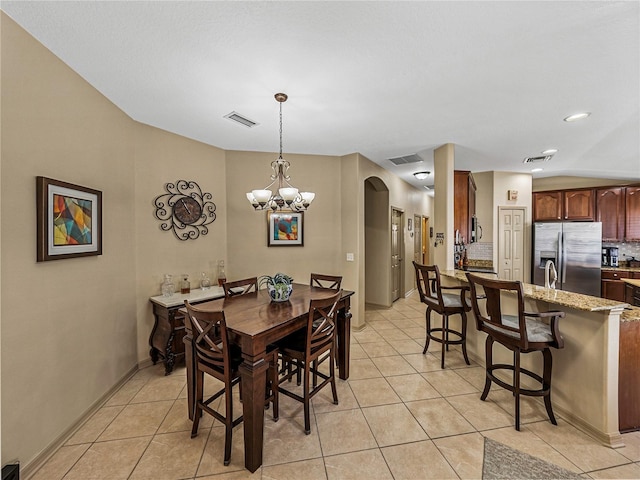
[185,210]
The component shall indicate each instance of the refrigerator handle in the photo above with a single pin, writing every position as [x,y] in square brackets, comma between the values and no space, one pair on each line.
[561,269]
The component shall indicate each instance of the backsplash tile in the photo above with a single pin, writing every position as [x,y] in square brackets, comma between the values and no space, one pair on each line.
[626,250]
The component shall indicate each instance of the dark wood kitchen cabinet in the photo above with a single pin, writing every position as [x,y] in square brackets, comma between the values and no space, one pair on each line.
[464,203]
[564,205]
[632,214]
[547,206]
[628,384]
[610,208]
[578,205]
[613,287]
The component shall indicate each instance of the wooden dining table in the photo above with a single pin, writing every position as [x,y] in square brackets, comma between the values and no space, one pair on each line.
[253,322]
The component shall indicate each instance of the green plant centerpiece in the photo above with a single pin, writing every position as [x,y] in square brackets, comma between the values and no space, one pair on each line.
[279,286]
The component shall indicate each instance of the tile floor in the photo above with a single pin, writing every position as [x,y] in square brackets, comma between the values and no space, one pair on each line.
[400,417]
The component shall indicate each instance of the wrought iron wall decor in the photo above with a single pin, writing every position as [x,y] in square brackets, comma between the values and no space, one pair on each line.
[185,210]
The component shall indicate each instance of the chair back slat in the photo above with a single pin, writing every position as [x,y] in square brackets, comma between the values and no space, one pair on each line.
[325,281]
[428,283]
[321,325]
[240,287]
[491,319]
[210,336]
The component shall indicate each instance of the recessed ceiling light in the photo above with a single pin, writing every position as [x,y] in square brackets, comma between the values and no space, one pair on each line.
[421,175]
[534,170]
[577,116]
[550,151]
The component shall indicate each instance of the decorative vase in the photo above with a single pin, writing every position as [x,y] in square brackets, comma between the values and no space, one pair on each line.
[205,283]
[280,292]
[168,288]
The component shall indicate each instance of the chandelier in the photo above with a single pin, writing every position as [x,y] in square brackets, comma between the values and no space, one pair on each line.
[287,196]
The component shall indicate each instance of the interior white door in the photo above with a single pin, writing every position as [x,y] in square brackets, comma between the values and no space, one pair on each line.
[396,254]
[511,243]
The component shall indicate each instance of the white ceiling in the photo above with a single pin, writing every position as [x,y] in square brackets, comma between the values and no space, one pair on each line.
[385,79]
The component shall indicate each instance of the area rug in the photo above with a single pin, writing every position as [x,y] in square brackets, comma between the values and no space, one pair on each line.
[501,461]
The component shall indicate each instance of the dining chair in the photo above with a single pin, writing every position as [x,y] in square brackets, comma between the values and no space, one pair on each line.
[524,332]
[325,281]
[306,346]
[216,357]
[438,299]
[240,287]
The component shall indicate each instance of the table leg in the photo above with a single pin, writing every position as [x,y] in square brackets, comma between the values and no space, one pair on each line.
[344,342]
[254,375]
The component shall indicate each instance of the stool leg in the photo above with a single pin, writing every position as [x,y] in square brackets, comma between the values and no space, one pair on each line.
[445,337]
[464,337]
[488,347]
[516,385]
[546,377]
[427,319]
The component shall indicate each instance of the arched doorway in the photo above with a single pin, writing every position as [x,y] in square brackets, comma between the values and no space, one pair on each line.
[377,242]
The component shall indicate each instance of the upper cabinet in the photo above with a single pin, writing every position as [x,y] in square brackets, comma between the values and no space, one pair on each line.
[464,203]
[569,205]
[547,206]
[632,216]
[617,207]
[610,208]
[579,205]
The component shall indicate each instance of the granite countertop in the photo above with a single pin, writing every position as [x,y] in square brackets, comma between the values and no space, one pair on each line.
[632,281]
[576,301]
[621,269]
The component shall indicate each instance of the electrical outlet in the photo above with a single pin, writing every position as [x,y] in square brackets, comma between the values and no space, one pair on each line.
[350,257]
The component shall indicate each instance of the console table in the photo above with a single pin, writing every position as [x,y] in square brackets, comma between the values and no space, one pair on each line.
[168,329]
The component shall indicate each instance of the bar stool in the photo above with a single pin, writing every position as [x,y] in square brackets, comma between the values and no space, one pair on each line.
[522,333]
[434,296]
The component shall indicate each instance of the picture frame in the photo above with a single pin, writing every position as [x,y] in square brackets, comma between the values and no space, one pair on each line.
[69,220]
[285,229]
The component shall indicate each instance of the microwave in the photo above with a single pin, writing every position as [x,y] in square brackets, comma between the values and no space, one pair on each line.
[476,230]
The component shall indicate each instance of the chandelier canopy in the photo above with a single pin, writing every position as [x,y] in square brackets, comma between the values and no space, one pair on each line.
[287,196]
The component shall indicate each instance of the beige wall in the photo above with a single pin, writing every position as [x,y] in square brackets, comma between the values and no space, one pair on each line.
[502,182]
[161,158]
[72,329]
[68,326]
[248,252]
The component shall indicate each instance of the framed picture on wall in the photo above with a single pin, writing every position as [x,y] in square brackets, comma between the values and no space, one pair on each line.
[69,220]
[285,229]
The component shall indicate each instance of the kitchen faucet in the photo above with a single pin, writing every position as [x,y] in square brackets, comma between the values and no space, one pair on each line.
[550,275]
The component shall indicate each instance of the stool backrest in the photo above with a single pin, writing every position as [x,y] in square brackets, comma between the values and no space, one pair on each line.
[248,285]
[325,281]
[491,319]
[428,282]
[209,330]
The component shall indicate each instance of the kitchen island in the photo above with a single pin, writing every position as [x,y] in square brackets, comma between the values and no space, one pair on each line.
[586,372]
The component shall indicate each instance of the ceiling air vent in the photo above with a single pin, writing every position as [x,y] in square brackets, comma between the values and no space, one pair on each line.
[241,119]
[413,158]
[543,158]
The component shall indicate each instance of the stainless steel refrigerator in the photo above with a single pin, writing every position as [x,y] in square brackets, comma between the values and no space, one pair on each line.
[576,251]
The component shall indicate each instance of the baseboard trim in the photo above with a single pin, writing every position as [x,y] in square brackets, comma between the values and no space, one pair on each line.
[29,469]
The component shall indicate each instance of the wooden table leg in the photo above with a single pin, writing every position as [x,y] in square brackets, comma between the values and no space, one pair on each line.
[344,342]
[254,375]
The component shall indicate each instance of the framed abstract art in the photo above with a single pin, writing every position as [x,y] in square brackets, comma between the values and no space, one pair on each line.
[285,229]
[69,220]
